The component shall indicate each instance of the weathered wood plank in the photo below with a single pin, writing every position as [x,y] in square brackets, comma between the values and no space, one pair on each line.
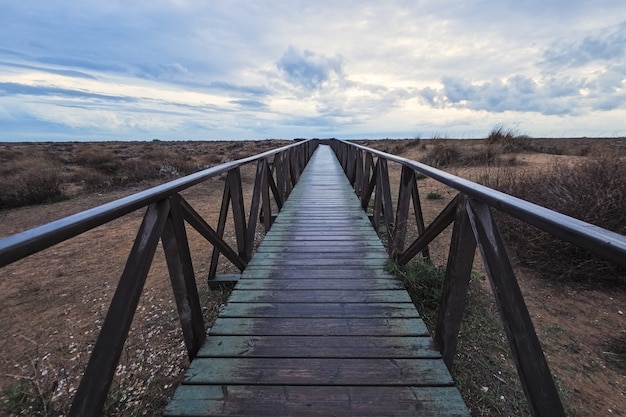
[316,371]
[320,296]
[319,257]
[328,310]
[320,347]
[295,283]
[246,400]
[314,262]
[347,272]
[318,327]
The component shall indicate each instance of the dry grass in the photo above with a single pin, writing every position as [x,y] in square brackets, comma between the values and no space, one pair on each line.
[592,189]
[35,173]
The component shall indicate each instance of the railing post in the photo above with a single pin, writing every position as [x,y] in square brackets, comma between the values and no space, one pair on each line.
[94,386]
[402,210]
[419,215]
[254,206]
[239,213]
[358,180]
[367,185]
[456,284]
[182,277]
[532,368]
[221,226]
[384,189]
[265,197]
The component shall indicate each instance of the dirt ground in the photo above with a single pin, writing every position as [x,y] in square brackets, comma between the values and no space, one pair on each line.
[52,305]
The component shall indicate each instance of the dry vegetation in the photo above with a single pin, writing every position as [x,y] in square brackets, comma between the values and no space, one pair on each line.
[52,304]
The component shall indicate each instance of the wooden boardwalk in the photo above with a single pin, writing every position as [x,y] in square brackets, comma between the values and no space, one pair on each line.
[315,326]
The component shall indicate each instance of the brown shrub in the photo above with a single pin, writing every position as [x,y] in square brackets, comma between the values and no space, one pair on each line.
[503,140]
[38,181]
[442,154]
[593,190]
[446,153]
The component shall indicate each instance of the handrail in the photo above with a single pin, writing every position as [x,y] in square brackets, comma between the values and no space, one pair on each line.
[167,211]
[474,225]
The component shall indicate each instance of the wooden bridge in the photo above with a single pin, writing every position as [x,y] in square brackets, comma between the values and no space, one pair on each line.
[315,326]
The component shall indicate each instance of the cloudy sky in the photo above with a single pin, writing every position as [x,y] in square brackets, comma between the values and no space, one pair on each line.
[237,69]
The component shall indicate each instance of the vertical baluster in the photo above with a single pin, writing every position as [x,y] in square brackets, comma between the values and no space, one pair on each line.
[456,284]
[182,277]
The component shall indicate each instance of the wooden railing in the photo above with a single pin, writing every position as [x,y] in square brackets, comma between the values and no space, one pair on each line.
[471,212]
[167,211]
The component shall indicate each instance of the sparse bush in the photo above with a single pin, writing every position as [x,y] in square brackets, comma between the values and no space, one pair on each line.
[442,154]
[507,140]
[593,190]
[494,151]
[137,170]
[38,182]
[105,162]
[95,181]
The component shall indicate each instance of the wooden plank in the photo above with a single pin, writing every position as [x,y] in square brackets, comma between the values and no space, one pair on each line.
[318,327]
[247,400]
[319,257]
[320,296]
[320,284]
[320,347]
[319,250]
[327,310]
[313,262]
[316,371]
[324,237]
[321,272]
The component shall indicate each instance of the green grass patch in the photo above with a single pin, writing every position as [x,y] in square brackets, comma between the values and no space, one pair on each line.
[434,195]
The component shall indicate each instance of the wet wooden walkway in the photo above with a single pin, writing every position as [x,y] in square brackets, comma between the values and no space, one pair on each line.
[315,326]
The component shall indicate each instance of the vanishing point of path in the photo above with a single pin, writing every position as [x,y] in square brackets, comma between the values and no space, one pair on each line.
[315,326]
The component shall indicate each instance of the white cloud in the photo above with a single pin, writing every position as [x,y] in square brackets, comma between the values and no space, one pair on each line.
[308,69]
[260,69]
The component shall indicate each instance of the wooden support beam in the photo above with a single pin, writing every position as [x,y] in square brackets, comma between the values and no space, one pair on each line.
[183,278]
[239,212]
[456,284]
[433,230]
[532,368]
[221,226]
[94,386]
[214,237]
